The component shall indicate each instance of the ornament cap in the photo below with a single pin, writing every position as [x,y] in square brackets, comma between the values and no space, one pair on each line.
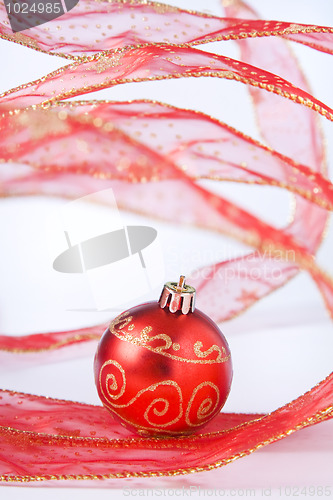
[178,296]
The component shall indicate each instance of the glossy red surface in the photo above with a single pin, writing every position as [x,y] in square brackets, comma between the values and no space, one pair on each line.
[163,373]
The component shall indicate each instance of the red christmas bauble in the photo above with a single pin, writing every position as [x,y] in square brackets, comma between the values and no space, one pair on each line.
[164,368]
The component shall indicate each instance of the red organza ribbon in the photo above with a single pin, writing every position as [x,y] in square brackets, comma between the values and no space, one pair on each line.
[98,26]
[156,151]
[90,445]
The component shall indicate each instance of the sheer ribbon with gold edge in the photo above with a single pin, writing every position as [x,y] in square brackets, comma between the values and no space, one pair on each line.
[116,24]
[159,160]
[90,445]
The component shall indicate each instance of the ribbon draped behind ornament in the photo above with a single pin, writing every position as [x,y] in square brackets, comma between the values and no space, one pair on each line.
[158,149]
[119,23]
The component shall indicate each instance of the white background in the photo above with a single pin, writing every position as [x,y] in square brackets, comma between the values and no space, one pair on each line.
[280,348]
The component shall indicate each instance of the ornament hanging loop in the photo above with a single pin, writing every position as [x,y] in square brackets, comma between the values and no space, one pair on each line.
[178,296]
[181,284]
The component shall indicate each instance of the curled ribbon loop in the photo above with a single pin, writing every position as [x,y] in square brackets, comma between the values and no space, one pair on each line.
[142,149]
